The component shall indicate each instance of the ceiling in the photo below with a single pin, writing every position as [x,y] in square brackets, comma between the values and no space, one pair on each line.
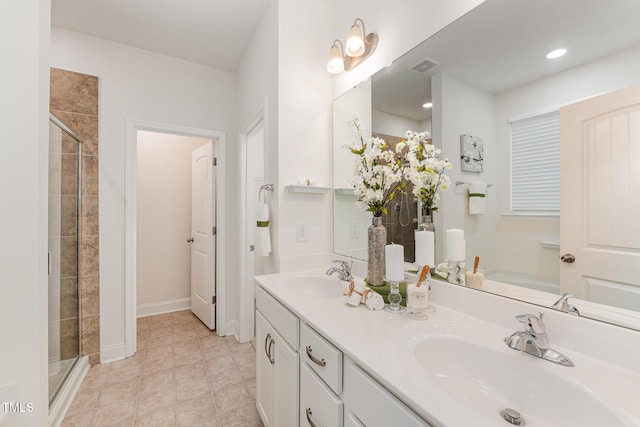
[215,33]
[502,44]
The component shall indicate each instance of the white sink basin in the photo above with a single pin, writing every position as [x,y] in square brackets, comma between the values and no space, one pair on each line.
[318,287]
[489,381]
[469,366]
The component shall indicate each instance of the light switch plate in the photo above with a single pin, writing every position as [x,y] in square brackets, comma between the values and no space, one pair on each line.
[302,232]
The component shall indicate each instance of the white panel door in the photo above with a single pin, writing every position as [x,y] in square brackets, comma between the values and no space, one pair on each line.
[600,198]
[203,248]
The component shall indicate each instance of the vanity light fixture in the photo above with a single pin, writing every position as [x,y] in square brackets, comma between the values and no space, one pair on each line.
[427,105]
[358,48]
[556,53]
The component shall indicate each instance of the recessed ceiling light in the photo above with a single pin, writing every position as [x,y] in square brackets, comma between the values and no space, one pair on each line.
[556,53]
[427,105]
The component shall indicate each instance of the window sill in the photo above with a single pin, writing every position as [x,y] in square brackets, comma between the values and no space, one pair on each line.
[536,215]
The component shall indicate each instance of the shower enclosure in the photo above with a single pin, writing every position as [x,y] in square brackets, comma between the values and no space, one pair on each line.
[65,154]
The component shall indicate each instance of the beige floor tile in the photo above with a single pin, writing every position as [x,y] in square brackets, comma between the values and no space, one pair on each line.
[190,372]
[115,414]
[160,418]
[192,390]
[79,419]
[156,399]
[186,377]
[158,379]
[222,380]
[243,416]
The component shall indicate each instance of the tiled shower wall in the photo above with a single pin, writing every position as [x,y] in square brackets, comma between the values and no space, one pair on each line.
[401,212]
[74,100]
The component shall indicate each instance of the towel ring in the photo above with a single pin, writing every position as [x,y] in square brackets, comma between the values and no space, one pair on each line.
[262,194]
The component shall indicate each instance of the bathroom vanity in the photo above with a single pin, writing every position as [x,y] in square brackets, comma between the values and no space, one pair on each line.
[321,362]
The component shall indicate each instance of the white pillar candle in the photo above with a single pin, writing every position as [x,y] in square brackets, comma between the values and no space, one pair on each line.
[455,245]
[425,248]
[394,262]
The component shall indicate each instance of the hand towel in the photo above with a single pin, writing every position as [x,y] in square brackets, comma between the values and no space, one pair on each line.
[356,292]
[373,300]
[263,236]
[477,197]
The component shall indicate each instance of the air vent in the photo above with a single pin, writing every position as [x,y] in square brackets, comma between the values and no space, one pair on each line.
[423,66]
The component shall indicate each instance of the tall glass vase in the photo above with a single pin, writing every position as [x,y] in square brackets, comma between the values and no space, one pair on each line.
[377,234]
[427,220]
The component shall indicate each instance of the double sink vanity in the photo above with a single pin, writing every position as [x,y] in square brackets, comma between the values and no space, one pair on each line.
[321,362]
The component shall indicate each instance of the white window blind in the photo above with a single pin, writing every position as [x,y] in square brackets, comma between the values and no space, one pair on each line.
[535,163]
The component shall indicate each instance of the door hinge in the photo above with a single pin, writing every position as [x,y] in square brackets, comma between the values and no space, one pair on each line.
[213,299]
[214,161]
[214,231]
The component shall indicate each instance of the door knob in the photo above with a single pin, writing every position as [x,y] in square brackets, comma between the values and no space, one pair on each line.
[568,258]
[190,240]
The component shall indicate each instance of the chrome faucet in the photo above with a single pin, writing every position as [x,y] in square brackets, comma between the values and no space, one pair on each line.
[344,273]
[533,340]
[563,305]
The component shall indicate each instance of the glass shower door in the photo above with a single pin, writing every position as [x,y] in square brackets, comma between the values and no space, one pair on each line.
[64,261]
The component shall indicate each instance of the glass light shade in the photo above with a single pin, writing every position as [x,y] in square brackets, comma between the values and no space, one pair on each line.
[355,41]
[335,63]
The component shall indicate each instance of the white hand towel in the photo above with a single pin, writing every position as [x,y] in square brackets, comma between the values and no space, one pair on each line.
[373,300]
[356,292]
[263,236]
[477,197]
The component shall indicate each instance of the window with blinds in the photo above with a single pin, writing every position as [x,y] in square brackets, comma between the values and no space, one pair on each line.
[535,164]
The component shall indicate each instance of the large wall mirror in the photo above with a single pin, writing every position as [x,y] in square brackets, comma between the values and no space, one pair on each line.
[487,76]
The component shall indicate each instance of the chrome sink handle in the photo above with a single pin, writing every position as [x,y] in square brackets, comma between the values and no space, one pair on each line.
[535,328]
[533,324]
[344,264]
[344,273]
[563,305]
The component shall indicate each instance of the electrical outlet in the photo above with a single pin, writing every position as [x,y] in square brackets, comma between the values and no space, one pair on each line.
[302,232]
[354,230]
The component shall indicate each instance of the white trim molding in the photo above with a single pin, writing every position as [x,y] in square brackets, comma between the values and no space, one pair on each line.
[132,127]
[162,307]
[61,404]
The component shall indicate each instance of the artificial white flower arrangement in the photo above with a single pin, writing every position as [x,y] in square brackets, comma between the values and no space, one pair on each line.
[424,168]
[379,173]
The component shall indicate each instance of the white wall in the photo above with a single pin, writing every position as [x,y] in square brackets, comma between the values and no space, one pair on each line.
[258,93]
[519,238]
[164,217]
[463,109]
[304,129]
[24,108]
[400,26]
[390,124]
[137,84]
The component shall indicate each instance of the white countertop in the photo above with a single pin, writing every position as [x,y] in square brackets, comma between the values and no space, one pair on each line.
[383,344]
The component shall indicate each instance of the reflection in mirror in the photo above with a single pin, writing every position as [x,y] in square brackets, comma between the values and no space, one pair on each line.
[486,74]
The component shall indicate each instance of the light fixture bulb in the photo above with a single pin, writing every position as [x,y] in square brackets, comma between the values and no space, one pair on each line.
[427,105]
[355,40]
[556,53]
[335,63]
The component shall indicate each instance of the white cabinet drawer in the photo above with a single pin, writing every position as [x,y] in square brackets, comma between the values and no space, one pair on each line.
[319,407]
[322,357]
[373,405]
[285,322]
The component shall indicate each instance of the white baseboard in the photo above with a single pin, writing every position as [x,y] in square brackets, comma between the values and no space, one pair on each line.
[232,328]
[59,407]
[111,353]
[161,307]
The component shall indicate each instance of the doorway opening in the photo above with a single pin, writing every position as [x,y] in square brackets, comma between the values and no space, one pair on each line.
[175,230]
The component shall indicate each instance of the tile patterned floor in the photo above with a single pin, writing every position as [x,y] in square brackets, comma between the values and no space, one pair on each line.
[182,375]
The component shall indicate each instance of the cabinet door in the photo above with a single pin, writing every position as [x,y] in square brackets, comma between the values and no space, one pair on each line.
[265,371]
[286,383]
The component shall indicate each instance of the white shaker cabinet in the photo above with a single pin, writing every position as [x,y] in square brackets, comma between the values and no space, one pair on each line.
[277,367]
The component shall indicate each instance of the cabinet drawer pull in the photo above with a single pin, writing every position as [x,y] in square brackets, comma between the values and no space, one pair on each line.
[315,359]
[266,343]
[309,420]
[272,359]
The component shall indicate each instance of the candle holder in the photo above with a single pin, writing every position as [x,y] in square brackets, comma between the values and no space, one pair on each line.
[457,272]
[394,298]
